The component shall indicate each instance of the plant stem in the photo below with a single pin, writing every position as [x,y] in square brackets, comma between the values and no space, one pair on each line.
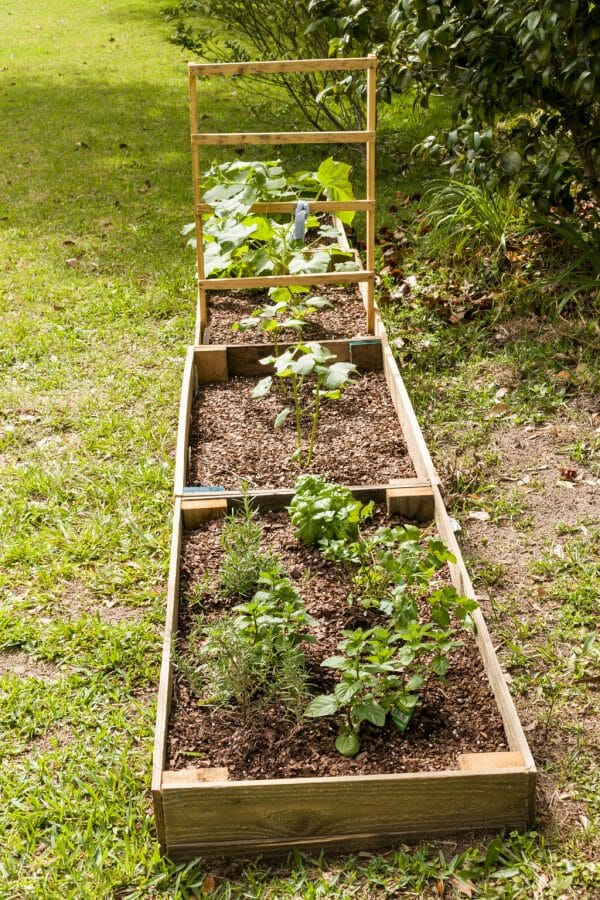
[298,418]
[315,421]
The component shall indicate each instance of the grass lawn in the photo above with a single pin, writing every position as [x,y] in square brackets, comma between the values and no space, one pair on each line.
[97,302]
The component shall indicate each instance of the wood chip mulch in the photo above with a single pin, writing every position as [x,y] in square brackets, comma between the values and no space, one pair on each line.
[232,438]
[346,319]
[454,718]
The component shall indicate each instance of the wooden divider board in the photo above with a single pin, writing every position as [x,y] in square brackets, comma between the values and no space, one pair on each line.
[367,137]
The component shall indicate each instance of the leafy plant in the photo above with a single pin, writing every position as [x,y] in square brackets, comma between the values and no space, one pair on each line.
[239,243]
[384,668]
[243,560]
[472,214]
[238,30]
[256,653]
[289,310]
[382,671]
[295,365]
[321,511]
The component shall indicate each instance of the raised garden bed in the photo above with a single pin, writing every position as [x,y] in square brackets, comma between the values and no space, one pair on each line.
[226,437]
[211,809]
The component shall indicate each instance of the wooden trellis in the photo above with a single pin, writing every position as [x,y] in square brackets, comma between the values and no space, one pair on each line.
[199,139]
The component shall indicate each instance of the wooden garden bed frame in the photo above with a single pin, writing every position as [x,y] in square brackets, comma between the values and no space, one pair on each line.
[199,812]
[203,139]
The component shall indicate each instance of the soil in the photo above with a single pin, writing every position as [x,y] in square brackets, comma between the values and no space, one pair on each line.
[346,319]
[232,439]
[533,463]
[457,717]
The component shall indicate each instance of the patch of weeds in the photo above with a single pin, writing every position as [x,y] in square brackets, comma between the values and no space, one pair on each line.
[572,571]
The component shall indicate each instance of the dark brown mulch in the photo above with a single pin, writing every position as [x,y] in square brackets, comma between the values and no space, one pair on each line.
[345,320]
[458,717]
[359,440]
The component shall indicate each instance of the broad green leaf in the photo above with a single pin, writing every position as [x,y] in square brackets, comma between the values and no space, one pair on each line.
[263,387]
[334,662]
[282,416]
[339,374]
[370,711]
[347,743]
[325,705]
[440,665]
[346,690]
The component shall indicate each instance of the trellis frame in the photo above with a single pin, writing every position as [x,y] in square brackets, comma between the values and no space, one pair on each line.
[367,204]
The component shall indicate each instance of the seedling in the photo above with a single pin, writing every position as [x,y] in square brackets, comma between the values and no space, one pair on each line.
[300,362]
[289,310]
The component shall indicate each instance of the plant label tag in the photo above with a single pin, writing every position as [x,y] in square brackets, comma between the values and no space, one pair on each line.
[300,217]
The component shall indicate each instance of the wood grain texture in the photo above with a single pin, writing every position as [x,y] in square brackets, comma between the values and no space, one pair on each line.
[280,498]
[482,762]
[245,138]
[416,503]
[165,687]
[196,511]
[242,814]
[370,192]
[289,206]
[261,67]
[267,281]
[211,363]
[183,428]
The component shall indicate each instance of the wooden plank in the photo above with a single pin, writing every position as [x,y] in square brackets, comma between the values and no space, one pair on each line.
[288,810]
[366,354]
[193,776]
[211,363]
[165,688]
[289,206]
[183,428]
[482,762]
[244,359]
[414,503]
[236,139]
[371,124]
[264,67]
[201,310]
[197,511]
[267,281]
[278,498]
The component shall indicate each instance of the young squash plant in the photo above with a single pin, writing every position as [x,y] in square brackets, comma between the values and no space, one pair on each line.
[238,243]
[288,310]
[298,364]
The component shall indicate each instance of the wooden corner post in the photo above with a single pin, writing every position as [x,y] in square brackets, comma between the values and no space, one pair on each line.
[201,310]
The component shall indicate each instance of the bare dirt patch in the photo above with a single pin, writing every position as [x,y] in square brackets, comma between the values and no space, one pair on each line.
[554,490]
[17,662]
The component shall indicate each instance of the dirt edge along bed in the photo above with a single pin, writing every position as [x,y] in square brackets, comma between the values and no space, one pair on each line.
[233,439]
[454,718]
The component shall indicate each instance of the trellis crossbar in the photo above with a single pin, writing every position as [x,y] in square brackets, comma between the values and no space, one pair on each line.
[367,205]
